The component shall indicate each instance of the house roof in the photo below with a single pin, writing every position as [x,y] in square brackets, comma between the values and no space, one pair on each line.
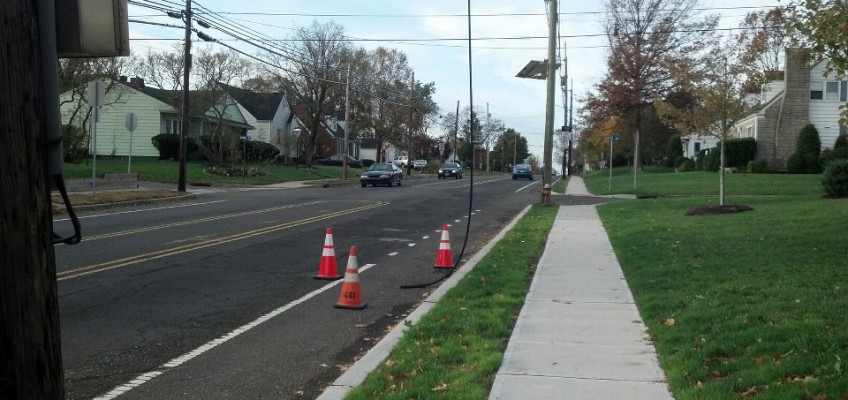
[173,97]
[263,106]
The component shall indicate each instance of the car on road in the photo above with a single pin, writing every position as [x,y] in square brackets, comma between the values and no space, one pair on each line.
[381,174]
[450,169]
[419,164]
[337,160]
[522,171]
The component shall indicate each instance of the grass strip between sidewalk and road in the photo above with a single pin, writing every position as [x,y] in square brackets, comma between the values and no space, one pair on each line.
[455,350]
[741,305]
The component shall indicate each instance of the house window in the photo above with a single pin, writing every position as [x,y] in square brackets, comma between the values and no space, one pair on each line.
[831,91]
[843,91]
[750,131]
[697,147]
[816,90]
[172,126]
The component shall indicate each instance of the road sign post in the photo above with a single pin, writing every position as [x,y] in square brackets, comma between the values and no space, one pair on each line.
[612,139]
[131,124]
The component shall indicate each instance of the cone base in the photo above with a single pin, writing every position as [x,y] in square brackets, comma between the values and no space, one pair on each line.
[348,307]
[328,278]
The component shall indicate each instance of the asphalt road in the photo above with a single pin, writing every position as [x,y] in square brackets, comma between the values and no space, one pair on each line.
[215,297]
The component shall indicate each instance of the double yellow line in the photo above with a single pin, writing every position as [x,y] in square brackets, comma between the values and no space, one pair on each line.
[78,272]
[196,221]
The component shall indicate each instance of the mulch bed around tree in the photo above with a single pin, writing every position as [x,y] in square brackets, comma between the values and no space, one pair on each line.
[718,209]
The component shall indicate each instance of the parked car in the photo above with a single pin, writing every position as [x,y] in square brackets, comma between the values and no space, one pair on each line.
[419,164]
[450,169]
[401,161]
[522,171]
[337,160]
[381,174]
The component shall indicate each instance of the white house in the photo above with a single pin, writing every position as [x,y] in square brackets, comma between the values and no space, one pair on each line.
[806,94]
[156,112]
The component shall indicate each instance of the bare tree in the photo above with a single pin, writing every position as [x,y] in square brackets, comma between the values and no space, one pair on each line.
[162,69]
[382,108]
[75,74]
[313,75]
[213,70]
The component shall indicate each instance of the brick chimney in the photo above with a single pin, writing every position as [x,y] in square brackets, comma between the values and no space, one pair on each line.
[137,82]
[795,107]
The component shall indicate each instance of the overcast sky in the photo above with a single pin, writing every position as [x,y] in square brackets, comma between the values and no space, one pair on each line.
[506,35]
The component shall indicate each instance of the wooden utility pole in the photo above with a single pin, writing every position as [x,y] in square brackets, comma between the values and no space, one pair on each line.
[184,126]
[30,352]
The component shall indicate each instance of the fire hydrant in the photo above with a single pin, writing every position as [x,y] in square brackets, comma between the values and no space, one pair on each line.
[546,194]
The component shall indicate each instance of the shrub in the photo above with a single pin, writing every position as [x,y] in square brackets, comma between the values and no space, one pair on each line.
[674,148]
[168,146]
[809,149]
[796,164]
[835,178]
[699,160]
[260,151]
[686,165]
[712,160]
[808,141]
[757,167]
[841,142]
[74,144]
[679,161]
[737,152]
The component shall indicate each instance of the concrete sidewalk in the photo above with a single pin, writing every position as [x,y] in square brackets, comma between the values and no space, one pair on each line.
[579,334]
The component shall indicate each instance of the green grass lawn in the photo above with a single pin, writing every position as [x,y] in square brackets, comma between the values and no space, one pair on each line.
[151,169]
[740,305]
[653,182]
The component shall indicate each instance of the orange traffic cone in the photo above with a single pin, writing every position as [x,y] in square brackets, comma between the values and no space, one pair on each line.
[328,269]
[444,259]
[351,297]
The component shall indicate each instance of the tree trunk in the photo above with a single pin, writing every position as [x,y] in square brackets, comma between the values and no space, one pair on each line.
[30,354]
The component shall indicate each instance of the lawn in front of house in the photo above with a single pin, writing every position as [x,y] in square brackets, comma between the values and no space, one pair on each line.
[743,305]
[665,182]
[200,173]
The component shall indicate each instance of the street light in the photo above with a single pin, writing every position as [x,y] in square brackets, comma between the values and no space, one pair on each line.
[533,70]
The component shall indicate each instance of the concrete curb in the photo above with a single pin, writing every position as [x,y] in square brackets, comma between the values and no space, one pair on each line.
[374,357]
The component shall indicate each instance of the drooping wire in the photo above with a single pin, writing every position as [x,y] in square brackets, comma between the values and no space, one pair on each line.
[471,186]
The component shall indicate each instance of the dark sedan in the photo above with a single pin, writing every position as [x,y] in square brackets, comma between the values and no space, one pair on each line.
[522,171]
[450,169]
[337,161]
[381,174]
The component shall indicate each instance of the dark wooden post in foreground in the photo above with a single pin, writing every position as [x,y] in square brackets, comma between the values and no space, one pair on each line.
[30,353]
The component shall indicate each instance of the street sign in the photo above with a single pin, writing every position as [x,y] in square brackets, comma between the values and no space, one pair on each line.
[131,122]
[614,138]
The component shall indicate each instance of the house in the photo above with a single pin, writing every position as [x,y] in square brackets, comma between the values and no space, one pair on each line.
[272,117]
[330,139]
[805,94]
[157,112]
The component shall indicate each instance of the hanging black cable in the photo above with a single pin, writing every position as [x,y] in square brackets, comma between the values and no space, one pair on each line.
[471,186]
[59,181]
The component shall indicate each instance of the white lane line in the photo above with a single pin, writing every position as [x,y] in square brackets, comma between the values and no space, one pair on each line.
[425,237]
[527,186]
[141,379]
[144,210]
[392,254]
[457,221]
[411,244]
